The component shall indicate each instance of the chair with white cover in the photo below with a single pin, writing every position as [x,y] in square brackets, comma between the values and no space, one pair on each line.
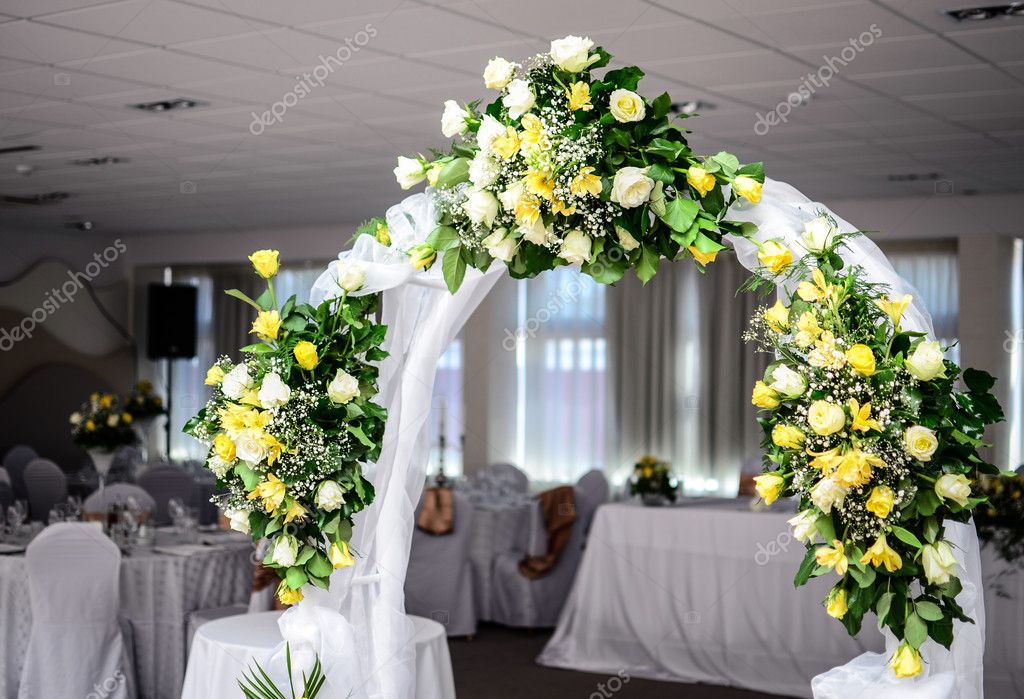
[125,465]
[6,493]
[76,643]
[46,486]
[165,483]
[511,476]
[15,461]
[439,579]
[99,503]
[520,601]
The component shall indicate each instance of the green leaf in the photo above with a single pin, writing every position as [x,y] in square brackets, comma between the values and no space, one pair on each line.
[928,611]
[661,173]
[680,213]
[454,268]
[978,381]
[662,105]
[906,537]
[915,631]
[625,78]
[295,577]
[942,632]
[706,244]
[826,528]
[669,150]
[647,265]
[249,477]
[239,295]
[605,269]
[931,529]
[265,300]
[882,607]
[807,566]
[443,238]
[864,575]
[319,566]
[754,170]
[927,502]
[358,433]
[454,172]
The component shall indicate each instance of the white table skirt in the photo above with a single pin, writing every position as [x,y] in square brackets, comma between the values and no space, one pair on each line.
[157,592]
[704,593]
[222,649]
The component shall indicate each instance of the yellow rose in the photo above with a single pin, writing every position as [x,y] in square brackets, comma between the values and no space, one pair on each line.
[579,97]
[214,376]
[775,256]
[90,426]
[764,396]
[880,502]
[224,447]
[266,325]
[626,106]
[787,436]
[833,557]
[826,418]
[341,557]
[906,661]
[769,486]
[287,595]
[748,188]
[422,256]
[705,258]
[777,317]
[835,604]
[265,262]
[954,487]
[126,418]
[700,179]
[305,355]
[881,553]
[861,359]
[920,442]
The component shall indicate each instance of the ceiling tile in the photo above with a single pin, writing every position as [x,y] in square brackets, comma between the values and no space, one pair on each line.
[293,14]
[886,55]
[995,43]
[939,81]
[163,68]
[42,43]
[39,8]
[283,50]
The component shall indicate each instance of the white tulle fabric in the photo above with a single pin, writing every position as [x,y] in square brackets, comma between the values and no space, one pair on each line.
[948,674]
[359,627]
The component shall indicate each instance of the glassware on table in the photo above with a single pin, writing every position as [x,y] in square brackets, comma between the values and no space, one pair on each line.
[73,508]
[58,513]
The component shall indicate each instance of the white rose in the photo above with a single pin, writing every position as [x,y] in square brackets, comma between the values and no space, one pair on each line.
[511,196]
[500,245]
[804,528]
[249,446]
[939,562]
[575,247]
[286,550]
[789,383]
[519,99]
[920,442]
[926,361]
[343,388]
[273,391]
[453,120]
[351,274]
[818,234]
[498,72]
[631,187]
[626,106]
[490,129]
[826,418]
[626,239]
[537,233]
[826,494]
[571,53]
[483,170]
[481,206]
[410,171]
[329,496]
[239,520]
[218,465]
[236,382]
[112,420]
[954,487]
[76,418]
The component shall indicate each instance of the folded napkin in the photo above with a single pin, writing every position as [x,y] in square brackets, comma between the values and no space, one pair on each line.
[437,515]
[558,506]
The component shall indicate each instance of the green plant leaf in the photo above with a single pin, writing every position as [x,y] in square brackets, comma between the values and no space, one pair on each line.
[680,213]
[906,537]
[929,611]
[647,265]
[915,631]
[453,267]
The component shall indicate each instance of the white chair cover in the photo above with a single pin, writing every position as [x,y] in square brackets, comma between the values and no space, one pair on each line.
[118,493]
[948,674]
[15,461]
[76,644]
[46,486]
[511,476]
[439,582]
[165,483]
[4,476]
[519,601]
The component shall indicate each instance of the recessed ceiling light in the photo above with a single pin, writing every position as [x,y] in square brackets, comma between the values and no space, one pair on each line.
[977,14]
[169,105]
[80,225]
[18,149]
[24,169]
[1016,9]
[914,177]
[37,199]
[691,107]
[103,160]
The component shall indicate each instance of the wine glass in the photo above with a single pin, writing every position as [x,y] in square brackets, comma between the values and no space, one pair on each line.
[74,508]
[16,515]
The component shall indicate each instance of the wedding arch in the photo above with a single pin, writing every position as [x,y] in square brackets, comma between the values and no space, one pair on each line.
[567,168]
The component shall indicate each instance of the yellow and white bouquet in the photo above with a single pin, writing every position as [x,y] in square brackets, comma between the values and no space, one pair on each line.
[568,168]
[865,425]
[102,423]
[290,427]
[653,481]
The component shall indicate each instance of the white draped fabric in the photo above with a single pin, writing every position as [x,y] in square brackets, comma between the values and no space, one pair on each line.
[955,673]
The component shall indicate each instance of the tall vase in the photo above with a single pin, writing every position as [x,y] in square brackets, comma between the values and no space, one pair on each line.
[101,460]
[143,427]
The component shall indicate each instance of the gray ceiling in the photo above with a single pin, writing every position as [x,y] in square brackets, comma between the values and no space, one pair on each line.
[926,96]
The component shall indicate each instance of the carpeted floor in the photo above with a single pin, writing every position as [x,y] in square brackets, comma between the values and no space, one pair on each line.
[499,664]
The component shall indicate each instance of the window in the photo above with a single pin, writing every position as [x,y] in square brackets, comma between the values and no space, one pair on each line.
[446,413]
[1014,344]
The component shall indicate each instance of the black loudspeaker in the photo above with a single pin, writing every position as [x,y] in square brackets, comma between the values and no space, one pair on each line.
[171,321]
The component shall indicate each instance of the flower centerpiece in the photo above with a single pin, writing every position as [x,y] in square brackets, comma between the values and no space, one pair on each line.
[653,481]
[566,167]
[142,402]
[865,424]
[100,426]
[290,427]
[1001,520]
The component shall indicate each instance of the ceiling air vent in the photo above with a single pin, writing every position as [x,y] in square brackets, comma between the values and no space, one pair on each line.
[44,199]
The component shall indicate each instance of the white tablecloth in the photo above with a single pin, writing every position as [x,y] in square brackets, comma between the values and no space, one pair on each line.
[157,592]
[704,593]
[222,649]
[499,528]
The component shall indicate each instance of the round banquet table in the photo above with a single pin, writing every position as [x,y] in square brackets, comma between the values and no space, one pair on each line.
[222,649]
[159,588]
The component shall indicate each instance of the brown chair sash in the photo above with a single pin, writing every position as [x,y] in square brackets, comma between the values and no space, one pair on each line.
[558,506]
[437,516]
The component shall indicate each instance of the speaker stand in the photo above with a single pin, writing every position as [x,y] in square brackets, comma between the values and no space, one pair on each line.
[170,405]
